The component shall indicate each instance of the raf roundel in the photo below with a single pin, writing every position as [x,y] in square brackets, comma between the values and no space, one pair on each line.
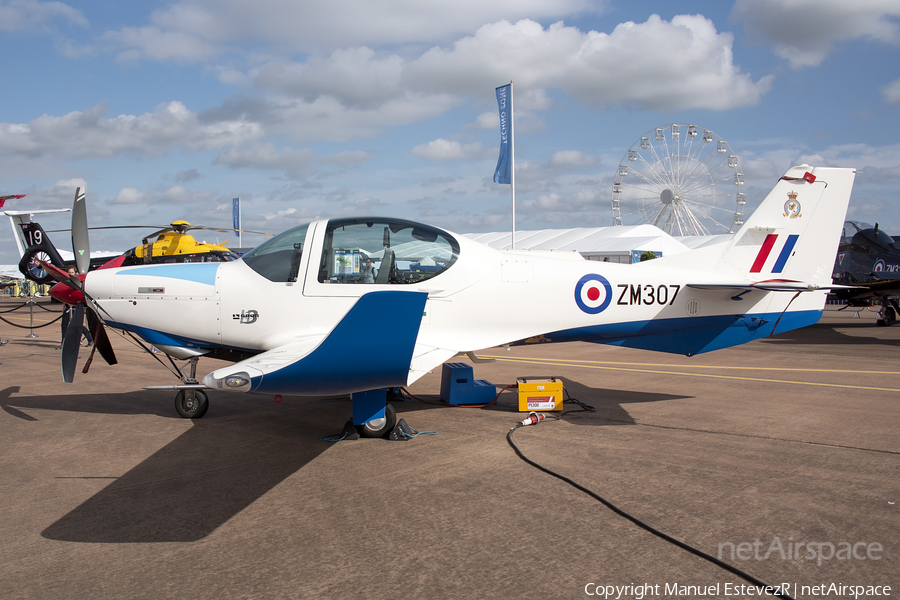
[593,294]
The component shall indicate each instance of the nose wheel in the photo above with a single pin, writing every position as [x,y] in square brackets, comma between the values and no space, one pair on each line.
[191,404]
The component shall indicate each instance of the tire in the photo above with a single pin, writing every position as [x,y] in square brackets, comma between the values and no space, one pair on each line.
[193,410]
[377,428]
[890,316]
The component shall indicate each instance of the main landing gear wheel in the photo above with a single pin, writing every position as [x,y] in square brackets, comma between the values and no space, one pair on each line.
[887,316]
[191,404]
[380,427]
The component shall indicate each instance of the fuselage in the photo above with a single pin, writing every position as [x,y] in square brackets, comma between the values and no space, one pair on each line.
[301,284]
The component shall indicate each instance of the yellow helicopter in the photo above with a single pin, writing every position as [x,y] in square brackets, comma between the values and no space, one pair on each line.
[174,244]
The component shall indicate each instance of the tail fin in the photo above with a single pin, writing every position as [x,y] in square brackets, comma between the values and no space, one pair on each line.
[793,236]
[24,229]
[39,248]
[790,239]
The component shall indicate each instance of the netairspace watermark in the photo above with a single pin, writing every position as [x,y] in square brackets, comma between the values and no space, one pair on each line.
[717,590]
[791,550]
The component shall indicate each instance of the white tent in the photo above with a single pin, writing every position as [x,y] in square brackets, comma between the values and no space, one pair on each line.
[11,271]
[617,244]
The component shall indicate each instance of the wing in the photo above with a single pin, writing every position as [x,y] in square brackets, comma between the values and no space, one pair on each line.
[373,346]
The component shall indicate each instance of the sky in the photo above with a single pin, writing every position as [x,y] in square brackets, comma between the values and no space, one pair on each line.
[306,110]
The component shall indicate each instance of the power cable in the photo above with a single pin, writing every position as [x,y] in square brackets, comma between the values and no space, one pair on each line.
[635,520]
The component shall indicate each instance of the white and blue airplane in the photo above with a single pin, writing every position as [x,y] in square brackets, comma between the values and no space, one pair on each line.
[306,314]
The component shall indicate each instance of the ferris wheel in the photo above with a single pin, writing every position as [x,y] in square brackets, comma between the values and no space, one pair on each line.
[682,179]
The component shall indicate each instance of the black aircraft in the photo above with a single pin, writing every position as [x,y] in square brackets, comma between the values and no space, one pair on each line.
[868,261]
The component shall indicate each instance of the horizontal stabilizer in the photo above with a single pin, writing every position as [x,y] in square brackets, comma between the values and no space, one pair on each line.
[768,286]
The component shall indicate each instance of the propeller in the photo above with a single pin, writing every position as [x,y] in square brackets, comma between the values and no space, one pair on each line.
[72,342]
[70,289]
[81,245]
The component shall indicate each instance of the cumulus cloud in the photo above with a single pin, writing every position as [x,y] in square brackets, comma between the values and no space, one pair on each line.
[90,134]
[325,26]
[441,149]
[351,158]
[293,163]
[354,75]
[31,15]
[356,93]
[327,117]
[891,92]
[682,63]
[582,200]
[804,31]
[154,44]
[487,120]
[186,176]
[60,194]
[661,65]
[174,195]
[574,158]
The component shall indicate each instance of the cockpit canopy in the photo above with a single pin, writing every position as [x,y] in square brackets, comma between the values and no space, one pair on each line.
[862,237]
[360,250]
[386,251]
[279,258]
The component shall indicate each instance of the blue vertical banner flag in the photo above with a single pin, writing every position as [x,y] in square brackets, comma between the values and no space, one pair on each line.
[236,215]
[503,172]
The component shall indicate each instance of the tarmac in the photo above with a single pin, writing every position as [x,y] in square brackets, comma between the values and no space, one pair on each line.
[781,457]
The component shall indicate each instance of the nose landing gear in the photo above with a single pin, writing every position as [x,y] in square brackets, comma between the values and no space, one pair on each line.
[191,403]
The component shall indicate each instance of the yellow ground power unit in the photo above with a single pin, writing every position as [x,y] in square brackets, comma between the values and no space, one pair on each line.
[540,393]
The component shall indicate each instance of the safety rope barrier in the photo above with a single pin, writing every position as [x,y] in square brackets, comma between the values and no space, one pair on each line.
[29,326]
[23,305]
[14,309]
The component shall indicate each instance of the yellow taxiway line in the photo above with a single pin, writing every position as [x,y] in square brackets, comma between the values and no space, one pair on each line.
[622,366]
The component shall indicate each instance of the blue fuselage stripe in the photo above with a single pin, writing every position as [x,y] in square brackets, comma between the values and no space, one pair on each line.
[689,335]
[156,337]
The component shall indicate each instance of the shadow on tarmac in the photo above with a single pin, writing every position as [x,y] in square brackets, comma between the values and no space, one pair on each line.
[829,335]
[608,403]
[240,450]
[200,480]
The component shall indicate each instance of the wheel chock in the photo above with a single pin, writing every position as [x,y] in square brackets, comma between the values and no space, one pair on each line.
[402,432]
[349,432]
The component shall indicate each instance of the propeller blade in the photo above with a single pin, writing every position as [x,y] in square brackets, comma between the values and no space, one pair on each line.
[101,341]
[62,276]
[81,245]
[72,342]
[108,227]
[227,230]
